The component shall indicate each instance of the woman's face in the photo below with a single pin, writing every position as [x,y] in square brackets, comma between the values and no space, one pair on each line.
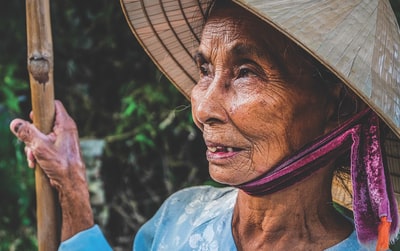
[254,104]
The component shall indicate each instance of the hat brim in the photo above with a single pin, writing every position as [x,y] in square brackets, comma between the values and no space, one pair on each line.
[169,31]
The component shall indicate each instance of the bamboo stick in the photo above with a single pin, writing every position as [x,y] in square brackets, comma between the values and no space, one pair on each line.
[40,68]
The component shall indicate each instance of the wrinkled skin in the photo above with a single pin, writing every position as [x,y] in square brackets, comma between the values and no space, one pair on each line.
[253,111]
[58,154]
[244,101]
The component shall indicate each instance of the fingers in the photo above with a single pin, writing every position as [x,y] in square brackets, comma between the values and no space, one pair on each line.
[62,119]
[25,131]
[59,106]
[58,152]
[15,125]
[30,158]
[61,112]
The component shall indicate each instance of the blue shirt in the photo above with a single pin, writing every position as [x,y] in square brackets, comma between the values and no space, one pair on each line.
[196,218]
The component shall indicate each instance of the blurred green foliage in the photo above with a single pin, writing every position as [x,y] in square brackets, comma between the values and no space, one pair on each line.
[115,93]
[16,182]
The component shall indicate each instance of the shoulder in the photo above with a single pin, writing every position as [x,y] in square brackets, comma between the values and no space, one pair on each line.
[187,217]
[202,195]
[350,243]
[198,204]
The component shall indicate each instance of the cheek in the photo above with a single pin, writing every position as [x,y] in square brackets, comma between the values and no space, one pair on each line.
[261,121]
[309,118]
[261,114]
[266,122]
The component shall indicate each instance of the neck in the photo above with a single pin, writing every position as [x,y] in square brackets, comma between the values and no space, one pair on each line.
[302,213]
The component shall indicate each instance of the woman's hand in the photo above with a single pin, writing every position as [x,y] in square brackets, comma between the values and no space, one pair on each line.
[58,154]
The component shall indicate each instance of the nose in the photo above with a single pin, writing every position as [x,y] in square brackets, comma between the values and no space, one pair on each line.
[208,105]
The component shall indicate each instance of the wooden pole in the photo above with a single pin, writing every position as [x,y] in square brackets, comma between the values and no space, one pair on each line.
[40,68]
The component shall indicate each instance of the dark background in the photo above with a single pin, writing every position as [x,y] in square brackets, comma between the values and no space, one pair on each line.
[117,97]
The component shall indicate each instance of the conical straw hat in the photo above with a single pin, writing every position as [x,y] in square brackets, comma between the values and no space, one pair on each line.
[357,40]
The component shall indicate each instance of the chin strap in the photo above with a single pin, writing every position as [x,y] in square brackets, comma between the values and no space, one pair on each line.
[374,204]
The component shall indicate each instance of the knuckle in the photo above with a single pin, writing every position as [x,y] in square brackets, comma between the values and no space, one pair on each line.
[24,133]
[41,152]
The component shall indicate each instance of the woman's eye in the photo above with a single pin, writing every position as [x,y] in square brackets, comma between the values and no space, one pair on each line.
[204,69]
[245,72]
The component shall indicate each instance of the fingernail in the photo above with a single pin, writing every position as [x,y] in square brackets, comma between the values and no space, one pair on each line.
[16,128]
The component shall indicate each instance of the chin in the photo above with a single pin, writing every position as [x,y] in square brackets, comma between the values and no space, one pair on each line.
[226,177]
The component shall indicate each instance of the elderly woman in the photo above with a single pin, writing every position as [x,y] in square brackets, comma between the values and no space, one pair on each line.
[274,104]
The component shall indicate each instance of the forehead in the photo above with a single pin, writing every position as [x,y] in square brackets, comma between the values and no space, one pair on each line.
[231,22]
[234,29]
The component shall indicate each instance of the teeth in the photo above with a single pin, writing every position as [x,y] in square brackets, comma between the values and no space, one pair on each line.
[212,149]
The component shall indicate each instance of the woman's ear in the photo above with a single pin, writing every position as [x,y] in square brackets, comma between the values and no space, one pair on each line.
[345,104]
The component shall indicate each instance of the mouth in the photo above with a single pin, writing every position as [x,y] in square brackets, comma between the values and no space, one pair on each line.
[222,149]
[217,152]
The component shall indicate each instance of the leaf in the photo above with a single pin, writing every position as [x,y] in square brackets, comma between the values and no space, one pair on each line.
[142,138]
[131,107]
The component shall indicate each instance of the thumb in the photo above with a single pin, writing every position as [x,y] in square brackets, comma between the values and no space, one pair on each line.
[26,132]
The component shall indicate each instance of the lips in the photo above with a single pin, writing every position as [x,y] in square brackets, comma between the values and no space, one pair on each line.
[219,152]
[215,149]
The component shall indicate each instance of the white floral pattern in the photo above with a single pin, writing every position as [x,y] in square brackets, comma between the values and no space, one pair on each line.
[205,241]
[199,219]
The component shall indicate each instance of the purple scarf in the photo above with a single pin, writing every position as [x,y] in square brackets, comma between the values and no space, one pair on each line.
[373,196]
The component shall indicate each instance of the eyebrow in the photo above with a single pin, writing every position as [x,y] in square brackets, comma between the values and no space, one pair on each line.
[198,56]
[241,49]
[238,50]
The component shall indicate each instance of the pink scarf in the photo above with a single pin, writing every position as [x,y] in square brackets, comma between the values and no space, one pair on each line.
[374,204]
